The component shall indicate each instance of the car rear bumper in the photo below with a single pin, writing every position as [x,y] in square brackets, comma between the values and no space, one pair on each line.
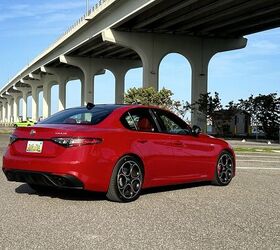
[44,179]
[93,171]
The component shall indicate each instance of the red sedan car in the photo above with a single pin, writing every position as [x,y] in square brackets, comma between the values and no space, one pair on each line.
[117,149]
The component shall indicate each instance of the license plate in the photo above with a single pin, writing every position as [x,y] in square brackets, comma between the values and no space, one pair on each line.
[34,146]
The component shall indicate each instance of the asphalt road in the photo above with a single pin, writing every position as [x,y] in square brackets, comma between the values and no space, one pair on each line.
[243,215]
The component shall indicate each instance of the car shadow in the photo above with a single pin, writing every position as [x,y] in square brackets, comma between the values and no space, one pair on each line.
[82,195]
[65,194]
[175,187]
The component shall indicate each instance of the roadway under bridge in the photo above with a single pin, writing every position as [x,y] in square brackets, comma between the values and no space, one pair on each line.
[120,35]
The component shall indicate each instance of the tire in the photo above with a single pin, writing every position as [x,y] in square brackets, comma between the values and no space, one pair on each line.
[126,180]
[15,126]
[39,188]
[224,169]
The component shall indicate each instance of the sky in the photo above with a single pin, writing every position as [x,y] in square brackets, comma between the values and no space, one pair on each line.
[27,27]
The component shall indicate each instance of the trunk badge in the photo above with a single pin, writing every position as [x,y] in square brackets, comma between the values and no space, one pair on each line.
[32,132]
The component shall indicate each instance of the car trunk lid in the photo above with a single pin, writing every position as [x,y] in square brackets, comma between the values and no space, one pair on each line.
[38,141]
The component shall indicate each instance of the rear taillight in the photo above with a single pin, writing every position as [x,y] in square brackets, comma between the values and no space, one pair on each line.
[75,142]
[13,138]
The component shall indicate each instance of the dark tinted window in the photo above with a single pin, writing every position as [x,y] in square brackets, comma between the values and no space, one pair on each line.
[80,116]
[171,123]
[140,120]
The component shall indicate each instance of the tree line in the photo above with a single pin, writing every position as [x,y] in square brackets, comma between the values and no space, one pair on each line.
[264,110]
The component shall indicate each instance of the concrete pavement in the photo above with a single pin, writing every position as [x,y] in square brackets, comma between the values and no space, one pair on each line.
[243,215]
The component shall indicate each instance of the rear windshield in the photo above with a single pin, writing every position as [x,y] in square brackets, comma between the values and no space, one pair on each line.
[80,116]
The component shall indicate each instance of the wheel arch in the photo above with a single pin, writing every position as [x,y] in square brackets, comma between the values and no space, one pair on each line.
[231,152]
[228,150]
[135,156]
[132,155]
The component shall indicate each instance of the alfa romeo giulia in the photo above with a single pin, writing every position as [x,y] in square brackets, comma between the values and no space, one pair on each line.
[116,149]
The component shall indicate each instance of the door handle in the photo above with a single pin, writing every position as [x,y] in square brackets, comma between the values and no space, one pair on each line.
[142,141]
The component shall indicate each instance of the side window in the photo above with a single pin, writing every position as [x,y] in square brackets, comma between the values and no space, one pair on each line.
[129,121]
[140,120]
[172,124]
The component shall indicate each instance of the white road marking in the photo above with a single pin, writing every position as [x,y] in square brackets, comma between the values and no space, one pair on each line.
[259,156]
[258,161]
[256,168]
[258,152]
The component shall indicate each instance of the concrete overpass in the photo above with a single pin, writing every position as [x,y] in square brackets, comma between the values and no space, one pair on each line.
[119,35]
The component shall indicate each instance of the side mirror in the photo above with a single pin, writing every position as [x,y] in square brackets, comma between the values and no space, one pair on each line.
[196,130]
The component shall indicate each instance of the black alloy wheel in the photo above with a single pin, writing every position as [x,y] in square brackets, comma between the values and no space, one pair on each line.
[224,169]
[126,180]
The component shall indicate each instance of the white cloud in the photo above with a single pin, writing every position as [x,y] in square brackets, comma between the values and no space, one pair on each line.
[42,18]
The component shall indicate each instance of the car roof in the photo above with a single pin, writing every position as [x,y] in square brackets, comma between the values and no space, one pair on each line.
[112,107]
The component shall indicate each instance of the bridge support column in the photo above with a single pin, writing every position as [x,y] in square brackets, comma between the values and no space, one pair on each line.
[198,50]
[34,84]
[96,66]
[119,87]
[62,96]
[15,106]
[199,86]
[15,112]
[9,109]
[4,103]
[150,75]
[40,111]
[199,53]
[119,70]
[1,114]
[34,103]
[46,100]
[62,77]
[146,47]
[88,70]
[88,88]
[47,80]
[25,91]
[24,105]
[9,103]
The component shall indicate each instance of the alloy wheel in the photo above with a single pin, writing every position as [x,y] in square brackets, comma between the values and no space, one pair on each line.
[225,168]
[129,179]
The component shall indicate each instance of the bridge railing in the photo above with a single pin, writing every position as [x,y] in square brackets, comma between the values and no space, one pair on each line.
[92,12]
